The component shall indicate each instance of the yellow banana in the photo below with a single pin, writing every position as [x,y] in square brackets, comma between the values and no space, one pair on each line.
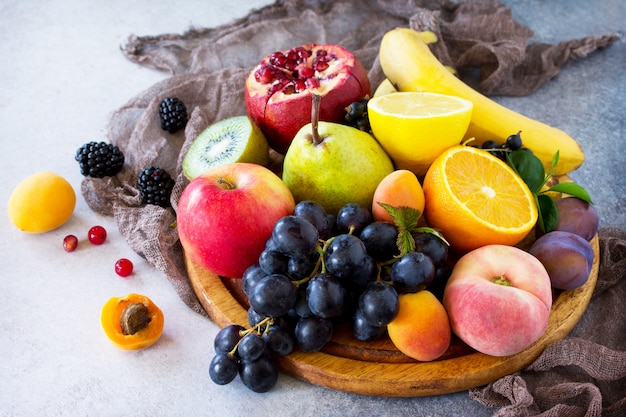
[409,65]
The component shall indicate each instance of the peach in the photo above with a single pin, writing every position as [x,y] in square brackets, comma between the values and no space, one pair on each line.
[401,188]
[498,299]
[421,329]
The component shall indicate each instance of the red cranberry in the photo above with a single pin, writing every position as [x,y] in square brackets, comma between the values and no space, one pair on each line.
[97,235]
[70,243]
[123,267]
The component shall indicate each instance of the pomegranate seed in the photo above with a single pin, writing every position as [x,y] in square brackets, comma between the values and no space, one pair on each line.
[260,74]
[97,235]
[312,83]
[291,64]
[70,243]
[123,267]
[321,52]
[320,65]
[292,55]
[278,59]
[306,72]
[303,53]
[300,85]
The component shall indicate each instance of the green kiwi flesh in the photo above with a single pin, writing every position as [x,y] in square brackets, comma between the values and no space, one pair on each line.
[235,139]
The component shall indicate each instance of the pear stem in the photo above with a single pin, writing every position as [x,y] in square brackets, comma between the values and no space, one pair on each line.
[315,117]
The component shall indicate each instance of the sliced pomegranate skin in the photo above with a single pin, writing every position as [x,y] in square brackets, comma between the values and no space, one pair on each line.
[278,90]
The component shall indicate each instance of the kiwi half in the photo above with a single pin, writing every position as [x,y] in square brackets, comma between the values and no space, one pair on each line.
[235,139]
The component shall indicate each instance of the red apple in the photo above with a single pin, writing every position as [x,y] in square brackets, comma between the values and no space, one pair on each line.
[278,90]
[498,299]
[226,215]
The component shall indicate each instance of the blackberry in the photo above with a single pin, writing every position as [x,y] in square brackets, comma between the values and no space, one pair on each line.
[173,114]
[99,159]
[155,186]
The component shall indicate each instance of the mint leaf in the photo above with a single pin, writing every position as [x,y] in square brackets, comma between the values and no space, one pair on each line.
[572,189]
[432,232]
[529,168]
[548,213]
[405,219]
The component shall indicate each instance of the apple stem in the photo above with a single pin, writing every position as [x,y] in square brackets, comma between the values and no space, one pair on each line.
[315,117]
[225,184]
[501,280]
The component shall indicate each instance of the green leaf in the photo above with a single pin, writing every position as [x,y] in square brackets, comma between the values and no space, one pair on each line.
[405,218]
[555,161]
[529,168]
[548,213]
[432,231]
[572,189]
[405,242]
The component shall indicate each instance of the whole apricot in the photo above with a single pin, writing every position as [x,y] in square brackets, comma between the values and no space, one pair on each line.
[421,330]
[400,188]
[41,202]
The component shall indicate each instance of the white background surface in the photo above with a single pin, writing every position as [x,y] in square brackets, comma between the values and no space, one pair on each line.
[62,73]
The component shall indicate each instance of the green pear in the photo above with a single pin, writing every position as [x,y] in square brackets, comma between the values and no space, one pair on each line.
[334,164]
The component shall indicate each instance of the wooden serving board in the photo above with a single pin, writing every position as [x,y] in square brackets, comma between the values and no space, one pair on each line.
[377,368]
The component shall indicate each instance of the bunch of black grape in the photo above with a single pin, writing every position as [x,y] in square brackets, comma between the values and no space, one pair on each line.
[512,143]
[316,272]
[356,115]
[248,353]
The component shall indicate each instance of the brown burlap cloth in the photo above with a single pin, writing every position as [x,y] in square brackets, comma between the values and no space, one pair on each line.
[583,374]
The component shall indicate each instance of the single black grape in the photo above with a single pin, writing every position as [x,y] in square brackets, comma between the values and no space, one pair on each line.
[316,214]
[312,333]
[355,111]
[352,218]
[273,296]
[380,240]
[251,276]
[366,273]
[251,347]
[412,273]
[344,255]
[363,330]
[278,340]
[295,236]
[272,261]
[514,142]
[325,296]
[438,286]
[227,338]
[490,144]
[223,368]
[299,268]
[302,305]
[260,375]
[254,318]
[379,303]
[432,246]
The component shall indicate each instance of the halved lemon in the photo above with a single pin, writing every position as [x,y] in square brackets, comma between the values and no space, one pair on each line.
[475,199]
[414,128]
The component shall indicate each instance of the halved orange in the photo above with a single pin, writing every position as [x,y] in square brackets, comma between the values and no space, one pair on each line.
[475,199]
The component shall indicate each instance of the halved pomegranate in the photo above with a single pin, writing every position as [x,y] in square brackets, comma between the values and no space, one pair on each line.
[278,90]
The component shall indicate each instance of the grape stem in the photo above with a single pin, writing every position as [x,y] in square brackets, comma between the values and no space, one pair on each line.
[267,321]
